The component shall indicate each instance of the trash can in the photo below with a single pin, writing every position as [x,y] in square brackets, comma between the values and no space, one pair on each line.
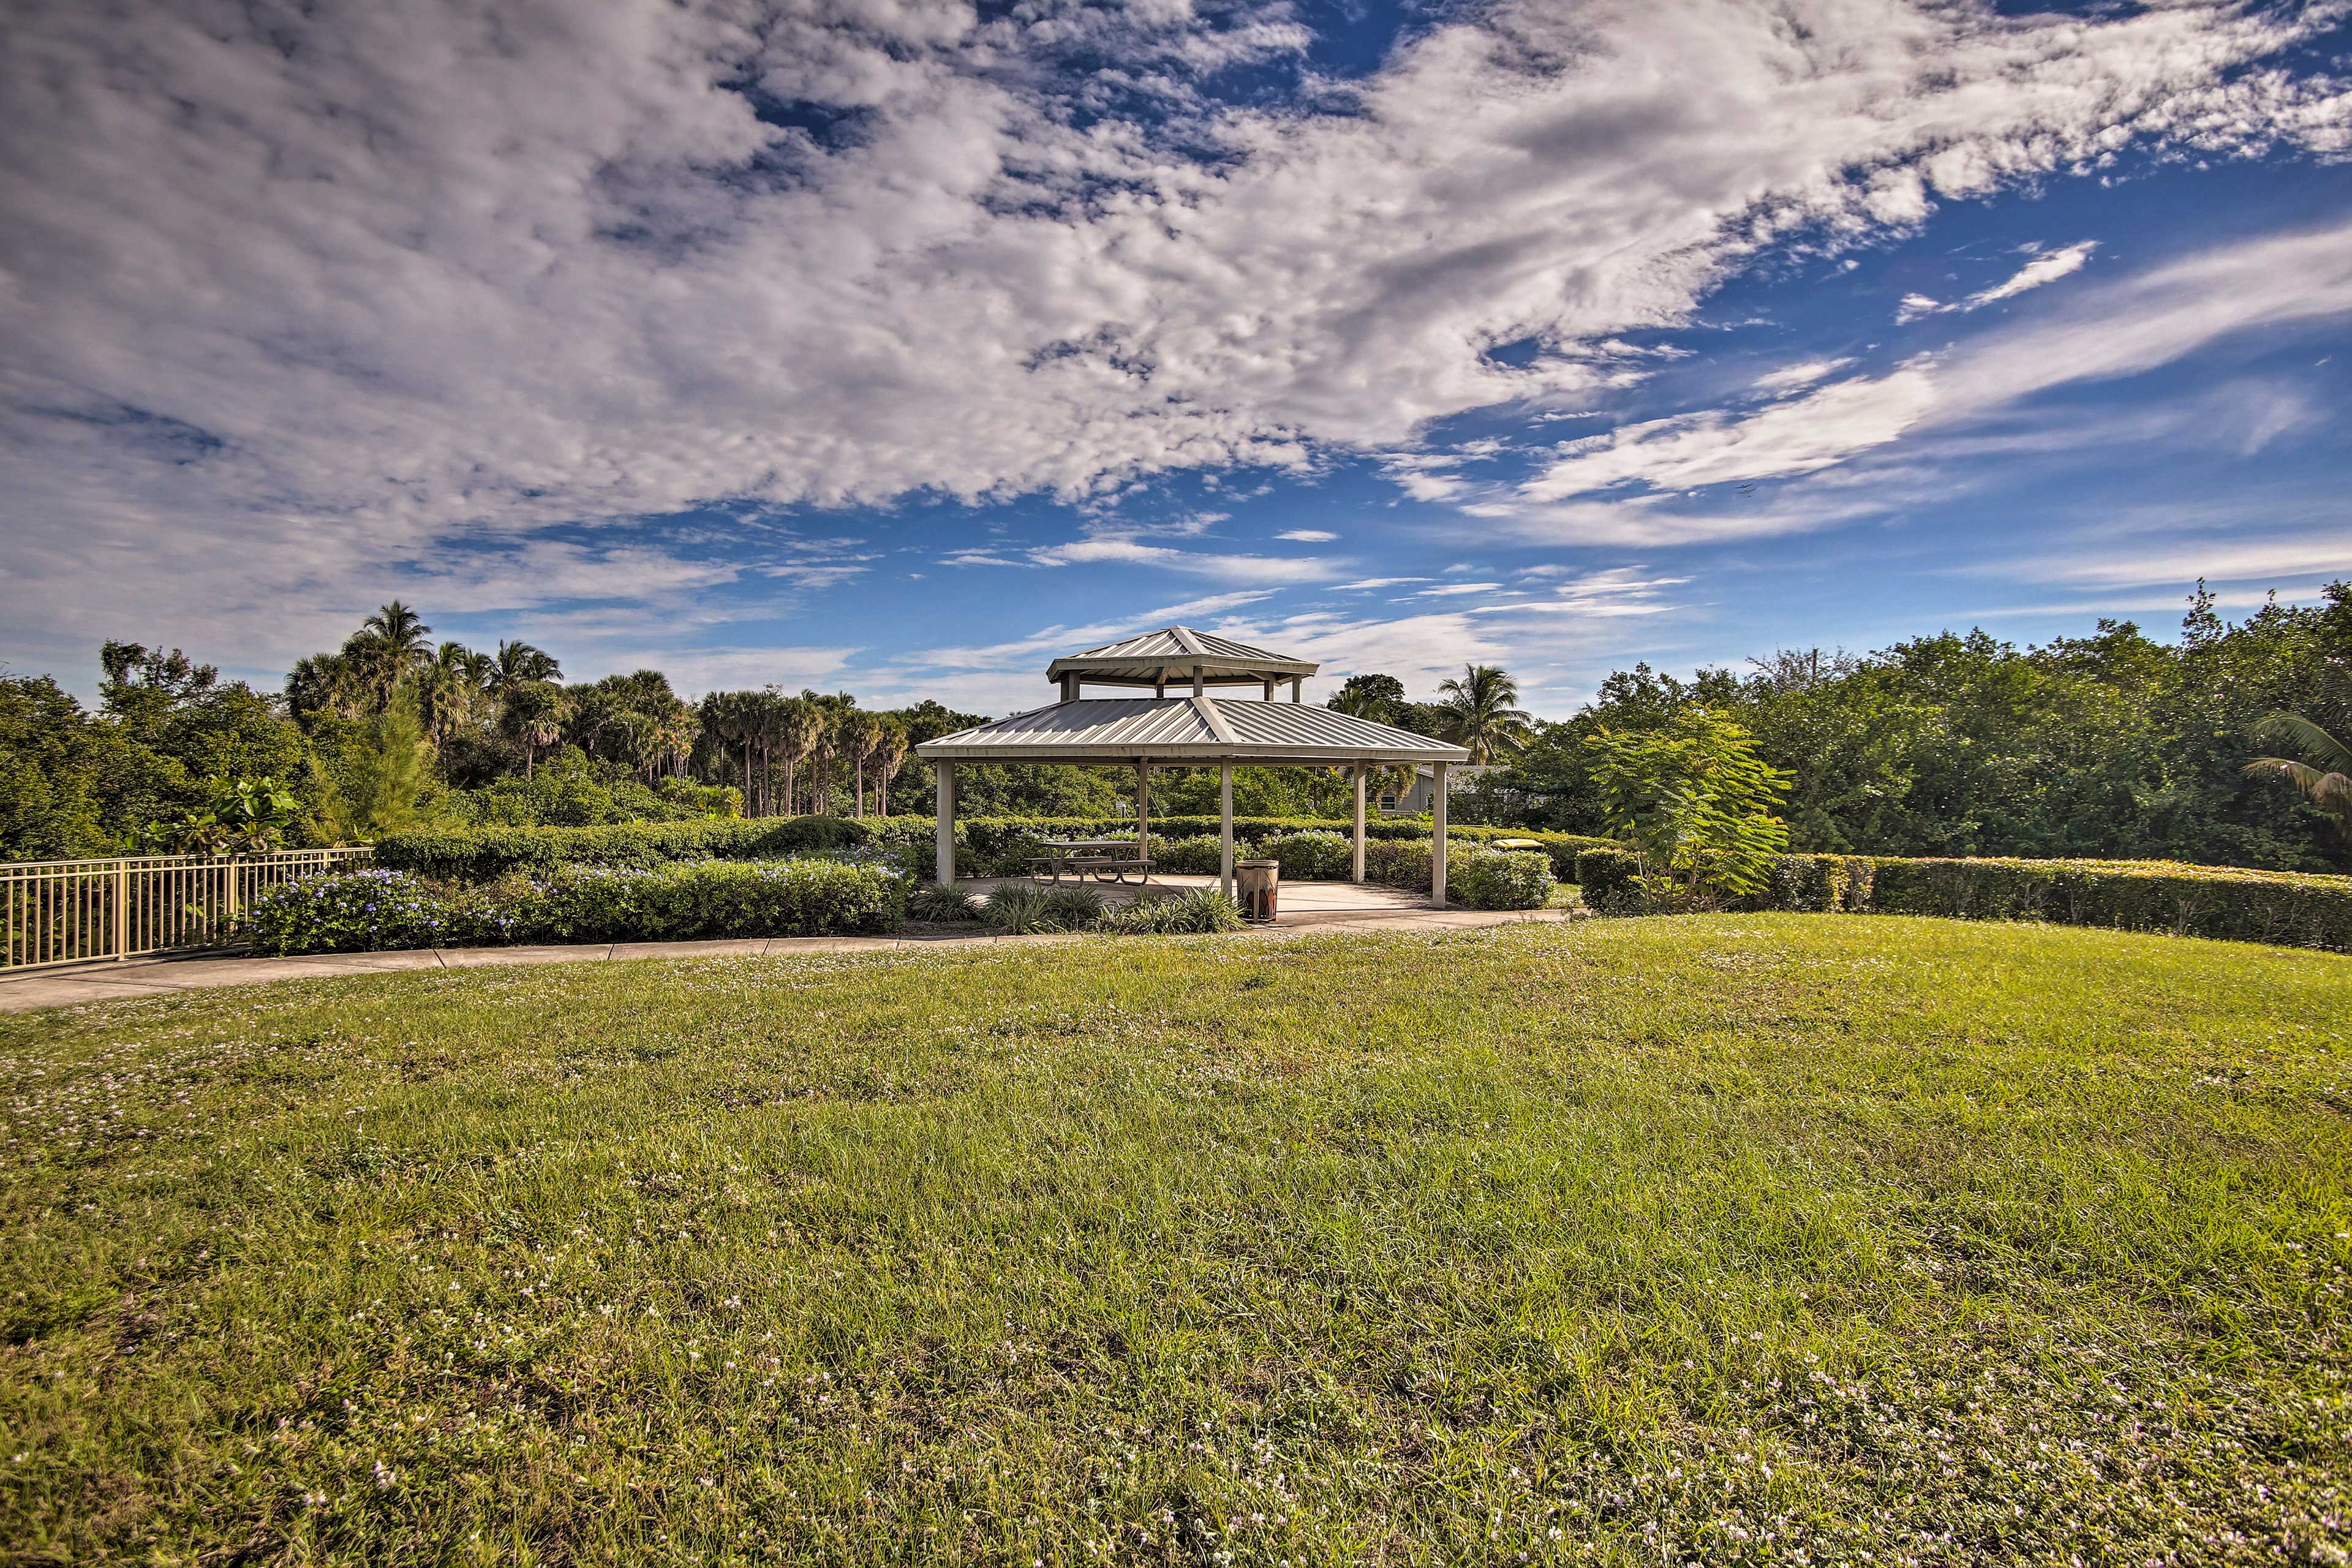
[1257,883]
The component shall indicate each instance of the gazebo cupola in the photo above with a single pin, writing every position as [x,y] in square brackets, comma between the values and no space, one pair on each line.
[1180,724]
[1180,658]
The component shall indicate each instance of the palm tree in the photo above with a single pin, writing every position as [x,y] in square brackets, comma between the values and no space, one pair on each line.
[402,632]
[861,737]
[328,683]
[533,715]
[519,661]
[674,728]
[825,745]
[726,721]
[890,756]
[1479,715]
[451,688]
[798,730]
[2324,771]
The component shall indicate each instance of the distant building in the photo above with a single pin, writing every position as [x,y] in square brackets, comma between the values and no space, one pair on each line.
[1417,801]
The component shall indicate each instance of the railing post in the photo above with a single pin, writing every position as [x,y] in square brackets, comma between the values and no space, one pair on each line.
[122,910]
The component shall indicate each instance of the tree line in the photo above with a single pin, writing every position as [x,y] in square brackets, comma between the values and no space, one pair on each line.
[2113,745]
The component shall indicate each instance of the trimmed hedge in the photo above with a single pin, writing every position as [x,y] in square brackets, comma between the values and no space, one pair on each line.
[1476,878]
[993,845]
[2291,909]
[378,910]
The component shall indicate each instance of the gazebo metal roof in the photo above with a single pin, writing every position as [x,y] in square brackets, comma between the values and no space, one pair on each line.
[1186,729]
[1172,654]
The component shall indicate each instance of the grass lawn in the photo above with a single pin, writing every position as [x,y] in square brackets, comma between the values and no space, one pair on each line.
[1739,1238]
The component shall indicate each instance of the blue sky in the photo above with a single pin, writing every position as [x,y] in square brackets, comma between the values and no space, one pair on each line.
[896,348]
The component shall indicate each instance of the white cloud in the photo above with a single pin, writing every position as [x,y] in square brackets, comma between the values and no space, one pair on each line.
[296,298]
[1307,535]
[2322,554]
[1797,375]
[2047,267]
[1453,589]
[2123,327]
[1377,582]
[1798,436]
[1198,563]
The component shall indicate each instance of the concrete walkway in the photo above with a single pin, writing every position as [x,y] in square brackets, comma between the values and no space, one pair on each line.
[1306,909]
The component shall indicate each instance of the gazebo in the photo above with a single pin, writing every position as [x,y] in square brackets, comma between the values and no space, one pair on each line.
[1192,728]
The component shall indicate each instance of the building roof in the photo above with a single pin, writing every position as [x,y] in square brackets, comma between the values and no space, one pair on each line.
[1186,729]
[1171,654]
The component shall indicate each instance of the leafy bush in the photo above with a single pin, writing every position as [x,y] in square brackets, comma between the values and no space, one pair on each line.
[1499,879]
[2292,908]
[484,854]
[1022,907]
[1476,876]
[577,798]
[1314,856]
[377,909]
[986,846]
[1192,856]
[1196,911]
[937,904]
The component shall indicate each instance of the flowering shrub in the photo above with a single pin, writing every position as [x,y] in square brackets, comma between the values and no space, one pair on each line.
[375,909]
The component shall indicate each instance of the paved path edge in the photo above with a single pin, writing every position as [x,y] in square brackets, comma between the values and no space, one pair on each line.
[169,975]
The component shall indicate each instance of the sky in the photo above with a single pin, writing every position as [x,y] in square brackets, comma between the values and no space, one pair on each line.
[896,346]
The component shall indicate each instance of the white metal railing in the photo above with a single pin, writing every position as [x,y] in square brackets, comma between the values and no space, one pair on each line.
[71,911]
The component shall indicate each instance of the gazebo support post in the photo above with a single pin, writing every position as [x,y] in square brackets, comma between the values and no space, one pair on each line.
[1360,822]
[1437,835]
[1143,812]
[944,840]
[1225,828]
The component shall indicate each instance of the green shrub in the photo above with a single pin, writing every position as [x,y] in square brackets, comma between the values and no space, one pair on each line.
[1498,880]
[937,904]
[1312,857]
[1393,863]
[373,910]
[377,910]
[1195,911]
[1020,907]
[1192,856]
[986,846]
[2291,907]
[1476,878]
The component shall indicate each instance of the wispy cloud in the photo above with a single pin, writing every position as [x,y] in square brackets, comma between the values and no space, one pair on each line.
[1192,562]
[1796,375]
[2047,268]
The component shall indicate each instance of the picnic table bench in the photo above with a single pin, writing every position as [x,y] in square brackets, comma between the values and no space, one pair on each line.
[1081,858]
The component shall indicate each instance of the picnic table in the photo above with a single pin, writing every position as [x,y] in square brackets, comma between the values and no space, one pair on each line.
[1081,858]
